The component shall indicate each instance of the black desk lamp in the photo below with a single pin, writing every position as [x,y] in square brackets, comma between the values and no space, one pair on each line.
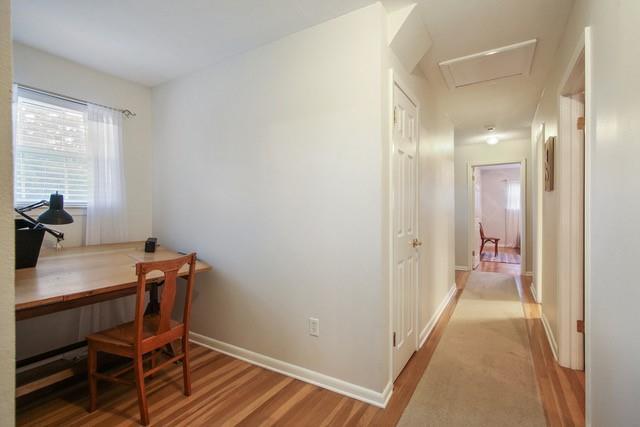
[55,215]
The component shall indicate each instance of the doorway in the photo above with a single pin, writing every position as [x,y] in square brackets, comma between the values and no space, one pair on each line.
[573,193]
[497,207]
[497,196]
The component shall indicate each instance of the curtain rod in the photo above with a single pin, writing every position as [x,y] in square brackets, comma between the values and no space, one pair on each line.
[127,113]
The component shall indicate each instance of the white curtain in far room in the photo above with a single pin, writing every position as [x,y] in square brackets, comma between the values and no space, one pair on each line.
[106,209]
[512,214]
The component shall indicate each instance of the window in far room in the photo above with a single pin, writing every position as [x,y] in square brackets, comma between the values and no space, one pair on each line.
[513,195]
[50,149]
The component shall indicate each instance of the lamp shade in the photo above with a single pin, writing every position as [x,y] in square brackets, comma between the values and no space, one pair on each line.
[55,214]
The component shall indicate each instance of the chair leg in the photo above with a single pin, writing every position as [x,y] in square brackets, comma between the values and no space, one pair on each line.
[92,368]
[186,370]
[482,247]
[154,360]
[496,249]
[142,397]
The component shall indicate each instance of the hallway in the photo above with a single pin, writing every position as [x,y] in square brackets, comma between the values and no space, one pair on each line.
[561,390]
[482,372]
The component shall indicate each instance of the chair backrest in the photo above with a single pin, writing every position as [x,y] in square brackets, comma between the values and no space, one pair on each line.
[170,268]
[481,231]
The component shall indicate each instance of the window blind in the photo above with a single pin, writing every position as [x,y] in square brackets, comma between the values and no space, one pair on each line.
[50,150]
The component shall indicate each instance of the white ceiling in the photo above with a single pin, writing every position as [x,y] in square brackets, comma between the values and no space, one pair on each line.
[464,27]
[152,41]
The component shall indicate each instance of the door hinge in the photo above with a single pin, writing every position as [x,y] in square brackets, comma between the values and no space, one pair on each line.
[580,123]
[580,326]
[473,253]
[394,339]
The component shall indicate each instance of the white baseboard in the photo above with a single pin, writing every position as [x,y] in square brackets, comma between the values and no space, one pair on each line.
[434,319]
[379,399]
[550,337]
[532,288]
[462,268]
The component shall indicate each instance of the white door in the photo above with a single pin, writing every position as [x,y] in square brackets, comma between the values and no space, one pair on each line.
[406,243]
[477,214]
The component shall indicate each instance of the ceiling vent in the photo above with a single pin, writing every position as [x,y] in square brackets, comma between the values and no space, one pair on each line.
[507,61]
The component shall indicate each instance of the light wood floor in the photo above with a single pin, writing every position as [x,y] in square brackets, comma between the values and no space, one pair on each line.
[227,391]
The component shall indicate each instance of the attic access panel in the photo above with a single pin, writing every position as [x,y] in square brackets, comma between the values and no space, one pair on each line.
[494,64]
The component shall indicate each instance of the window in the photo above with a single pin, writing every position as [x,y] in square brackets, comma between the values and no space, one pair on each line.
[513,195]
[50,150]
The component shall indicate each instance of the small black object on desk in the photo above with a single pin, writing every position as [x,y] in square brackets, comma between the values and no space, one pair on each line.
[150,244]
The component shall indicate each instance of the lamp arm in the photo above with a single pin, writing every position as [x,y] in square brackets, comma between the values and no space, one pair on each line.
[37,225]
[32,206]
[27,217]
[55,233]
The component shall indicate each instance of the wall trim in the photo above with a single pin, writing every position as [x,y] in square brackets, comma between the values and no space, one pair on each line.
[434,319]
[532,288]
[462,268]
[379,399]
[550,337]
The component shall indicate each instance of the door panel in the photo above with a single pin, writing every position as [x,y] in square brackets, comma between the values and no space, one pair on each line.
[405,252]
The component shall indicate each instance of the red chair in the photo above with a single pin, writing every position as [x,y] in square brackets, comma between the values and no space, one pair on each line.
[147,334]
[486,239]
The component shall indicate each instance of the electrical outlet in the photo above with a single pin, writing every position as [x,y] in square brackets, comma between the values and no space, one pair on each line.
[314,327]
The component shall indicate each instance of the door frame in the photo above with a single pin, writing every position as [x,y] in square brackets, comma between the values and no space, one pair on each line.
[396,80]
[538,185]
[573,255]
[523,208]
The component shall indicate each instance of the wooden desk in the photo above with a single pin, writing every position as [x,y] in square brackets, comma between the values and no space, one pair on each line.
[75,277]
[71,278]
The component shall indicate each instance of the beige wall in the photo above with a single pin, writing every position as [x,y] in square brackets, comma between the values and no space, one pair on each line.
[7,233]
[282,149]
[291,143]
[547,114]
[436,202]
[505,151]
[39,69]
[612,339]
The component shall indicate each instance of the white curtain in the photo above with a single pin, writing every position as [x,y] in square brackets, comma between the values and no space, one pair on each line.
[106,220]
[512,215]
[106,210]
[14,114]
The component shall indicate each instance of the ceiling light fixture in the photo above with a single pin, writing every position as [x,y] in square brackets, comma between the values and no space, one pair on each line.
[492,140]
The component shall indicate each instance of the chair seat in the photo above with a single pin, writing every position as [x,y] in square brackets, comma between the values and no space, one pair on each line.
[124,335]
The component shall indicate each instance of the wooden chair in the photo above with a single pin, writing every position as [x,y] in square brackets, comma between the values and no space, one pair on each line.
[147,334]
[486,239]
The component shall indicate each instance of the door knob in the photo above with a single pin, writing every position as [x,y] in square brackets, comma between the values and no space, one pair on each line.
[415,243]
